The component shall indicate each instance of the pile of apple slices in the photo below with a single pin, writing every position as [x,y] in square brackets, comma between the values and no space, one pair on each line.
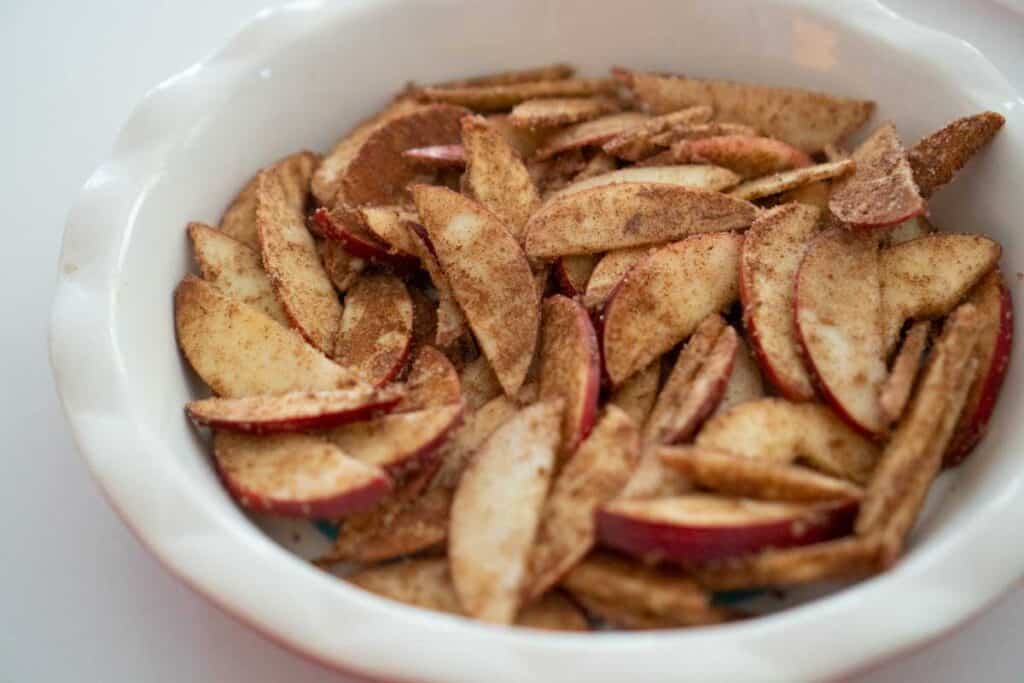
[584,351]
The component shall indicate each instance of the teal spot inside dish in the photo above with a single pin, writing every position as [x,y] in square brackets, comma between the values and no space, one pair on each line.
[327,528]
[734,597]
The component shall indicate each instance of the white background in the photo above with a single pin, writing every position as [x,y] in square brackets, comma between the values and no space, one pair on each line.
[80,600]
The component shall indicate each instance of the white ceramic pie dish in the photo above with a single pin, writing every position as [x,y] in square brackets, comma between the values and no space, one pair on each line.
[298,77]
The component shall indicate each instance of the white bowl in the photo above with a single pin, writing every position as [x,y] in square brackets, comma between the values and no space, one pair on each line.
[298,77]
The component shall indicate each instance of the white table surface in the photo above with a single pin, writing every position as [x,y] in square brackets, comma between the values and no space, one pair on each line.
[80,599]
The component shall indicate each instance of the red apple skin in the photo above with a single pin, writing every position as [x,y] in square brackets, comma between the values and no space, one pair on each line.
[565,284]
[301,424]
[362,247]
[342,503]
[976,425]
[590,396]
[656,540]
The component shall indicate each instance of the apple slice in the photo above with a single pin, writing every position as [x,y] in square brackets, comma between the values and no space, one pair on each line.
[427,583]
[936,158]
[235,269]
[913,456]
[637,394]
[547,72]
[451,321]
[699,131]
[342,268]
[293,412]
[551,112]
[490,277]
[437,156]
[780,432]
[778,183]
[769,260]
[496,176]
[639,596]
[608,273]
[808,120]
[838,310]
[239,351]
[326,181]
[590,133]
[663,299]
[295,475]
[638,142]
[496,512]
[736,475]
[390,225]
[479,383]
[506,95]
[992,298]
[593,476]
[919,278]
[698,177]
[523,140]
[290,257]
[570,368]
[842,559]
[239,219]
[572,273]
[749,156]
[378,173]
[813,194]
[346,227]
[399,443]
[896,389]
[881,191]
[432,381]
[630,215]
[700,526]
[910,229]
[375,336]
[745,382]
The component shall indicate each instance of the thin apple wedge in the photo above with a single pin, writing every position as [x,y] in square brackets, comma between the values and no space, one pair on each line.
[838,310]
[928,277]
[496,512]
[808,120]
[842,559]
[550,112]
[546,72]
[342,268]
[506,95]
[913,456]
[239,219]
[295,411]
[736,475]
[769,260]
[696,176]
[496,176]
[896,390]
[777,431]
[570,368]
[490,277]
[638,142]
[699,131]
[698,526]
[813,194]
[881,191]
[346,227]
[235,269]
[432,381]
[291,259]
[390,225]
[745,382]
[593,476]
[437,156]
[639,596]
[375,335]
[992,299]
[523,140]
[938,157]
[630,215]
[783,181]
[427,583]
[748,156]
[326,181]
[479,383]
[663,299]
[910,229]
[296,475]
[239,351]
[573,272]
[589,133]
[378,173]
[401,442]
[637,394]
[451,321]
[608,273]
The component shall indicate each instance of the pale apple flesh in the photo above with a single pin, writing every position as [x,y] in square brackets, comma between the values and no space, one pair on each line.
[375,336]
